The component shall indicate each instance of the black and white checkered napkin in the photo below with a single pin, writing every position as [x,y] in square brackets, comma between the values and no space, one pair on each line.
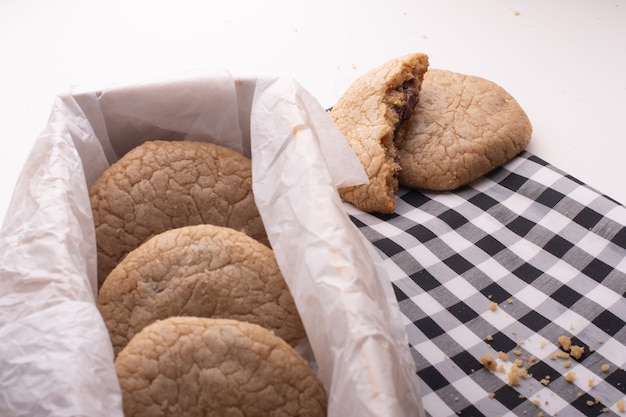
[504,267]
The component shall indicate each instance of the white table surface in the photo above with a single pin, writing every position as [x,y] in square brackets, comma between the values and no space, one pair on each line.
[563,60]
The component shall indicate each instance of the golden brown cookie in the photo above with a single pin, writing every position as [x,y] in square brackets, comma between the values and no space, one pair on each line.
[202,271]
[163,185]
[463,127]
[197,367]
[368,114]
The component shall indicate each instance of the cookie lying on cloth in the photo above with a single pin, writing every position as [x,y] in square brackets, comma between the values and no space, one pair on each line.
[212,367]
[368,114]
[463,127]
[202,271]
[163,185]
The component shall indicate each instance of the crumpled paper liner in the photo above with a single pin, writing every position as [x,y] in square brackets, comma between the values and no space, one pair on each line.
[55,355]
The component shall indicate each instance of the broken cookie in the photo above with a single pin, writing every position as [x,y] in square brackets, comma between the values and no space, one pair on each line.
[369,114]
[463,127]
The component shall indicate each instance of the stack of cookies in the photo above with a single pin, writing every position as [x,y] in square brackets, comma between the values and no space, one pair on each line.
[200,318]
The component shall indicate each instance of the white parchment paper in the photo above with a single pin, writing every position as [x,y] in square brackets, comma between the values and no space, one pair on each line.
[349,312]
[55,355]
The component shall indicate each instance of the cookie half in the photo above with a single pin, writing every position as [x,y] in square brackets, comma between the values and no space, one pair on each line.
[202,271]
[189,366]
[162,185]
[369,114]
[463,127]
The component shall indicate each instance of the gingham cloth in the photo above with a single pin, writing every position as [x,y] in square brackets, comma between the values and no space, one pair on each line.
[505,266]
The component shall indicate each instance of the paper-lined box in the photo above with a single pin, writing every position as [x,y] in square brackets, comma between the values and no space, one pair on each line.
[55,356]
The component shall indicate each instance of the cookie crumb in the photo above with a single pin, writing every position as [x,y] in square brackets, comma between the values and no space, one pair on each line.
[488,362]
[621,406]
[565,342]
[503,356]
[491,395]
[605,368]
[577,352]
[516,13]
[591,382]
[567,364]
[570,376]
[560,355]
[493,306]
[515,373]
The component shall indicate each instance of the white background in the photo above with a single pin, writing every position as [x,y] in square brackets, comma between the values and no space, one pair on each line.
[563,60]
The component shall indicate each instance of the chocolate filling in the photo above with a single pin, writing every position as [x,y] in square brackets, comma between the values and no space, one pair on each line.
[411,94]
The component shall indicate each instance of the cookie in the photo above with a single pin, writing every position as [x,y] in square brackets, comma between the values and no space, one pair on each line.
[463,127]
[203,271]
[163,185]
[368,114]
[190,366]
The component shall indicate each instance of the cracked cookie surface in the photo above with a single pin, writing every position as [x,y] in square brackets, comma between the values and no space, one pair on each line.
[189,366]
[462,128]
[203,271]
[368,114]
[162,185]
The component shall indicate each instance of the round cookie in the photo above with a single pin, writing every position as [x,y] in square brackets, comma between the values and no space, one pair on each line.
[463,127]
[162,185]
[368,114]
[202,271]
[193,367]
